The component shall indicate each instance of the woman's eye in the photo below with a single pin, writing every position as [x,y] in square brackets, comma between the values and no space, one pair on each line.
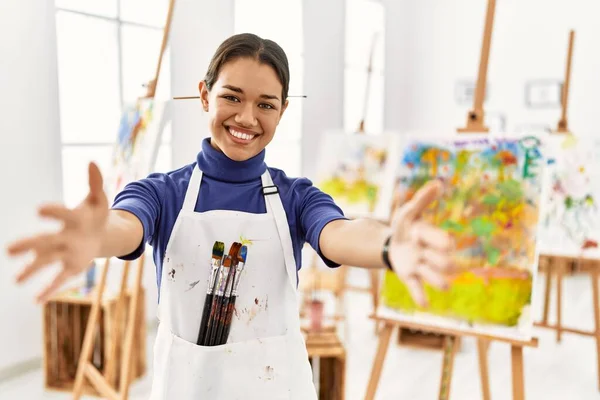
[266,106]
[230,98]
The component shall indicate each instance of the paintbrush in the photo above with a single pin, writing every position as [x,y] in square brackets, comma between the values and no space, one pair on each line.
[241,261]
[214,309]
[211,329]
[217,256]
[225,300]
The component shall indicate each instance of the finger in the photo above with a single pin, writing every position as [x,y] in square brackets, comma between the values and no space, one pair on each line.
[440,261]
[430,236]
[40,262]
[58,211]
[96,182]
[415,288]
[432,276]
[40,243]
[423,198]
[52,287]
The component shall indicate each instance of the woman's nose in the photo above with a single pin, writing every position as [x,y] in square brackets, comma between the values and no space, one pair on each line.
[246,116]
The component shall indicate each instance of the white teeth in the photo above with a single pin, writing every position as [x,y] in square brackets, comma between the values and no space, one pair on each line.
[240,135]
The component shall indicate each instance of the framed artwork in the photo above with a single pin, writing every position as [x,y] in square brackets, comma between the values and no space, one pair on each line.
[490,206]
[543,94]
[357,171]
[571,218]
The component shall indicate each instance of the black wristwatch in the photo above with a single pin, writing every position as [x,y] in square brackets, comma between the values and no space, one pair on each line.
[385,253]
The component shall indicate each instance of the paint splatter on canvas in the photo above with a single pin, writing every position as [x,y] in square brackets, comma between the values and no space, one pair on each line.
[571,218]
[490,206]
[357,170]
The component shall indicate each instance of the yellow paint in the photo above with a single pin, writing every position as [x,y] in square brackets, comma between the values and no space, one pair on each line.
[244,241]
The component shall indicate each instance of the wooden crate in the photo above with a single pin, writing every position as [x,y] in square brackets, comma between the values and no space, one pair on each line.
[332,363]
[65,319]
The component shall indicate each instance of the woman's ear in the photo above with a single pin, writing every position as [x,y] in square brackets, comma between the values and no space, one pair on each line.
[203,89]
[283,108]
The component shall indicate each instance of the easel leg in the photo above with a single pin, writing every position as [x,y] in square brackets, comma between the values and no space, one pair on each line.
[559,280]
[90,330]
[127,354]
[375,293]
[594,277]
[447,365]
[115,344]
[384,342]
[482,350]
[517,373]
[548,290]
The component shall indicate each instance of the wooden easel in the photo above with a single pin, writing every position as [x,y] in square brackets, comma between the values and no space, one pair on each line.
[106,384]
[475,124]
[559,265]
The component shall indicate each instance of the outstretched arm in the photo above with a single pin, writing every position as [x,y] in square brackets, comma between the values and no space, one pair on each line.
[90,230]
[418,251]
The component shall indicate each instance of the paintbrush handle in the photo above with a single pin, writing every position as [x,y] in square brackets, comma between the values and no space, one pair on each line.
[216,315]
[221,322]
[228,319]
[205,314]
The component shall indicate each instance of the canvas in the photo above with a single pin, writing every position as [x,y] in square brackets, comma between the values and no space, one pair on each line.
[571,219]
[490,206]
[138,139]
[357,171]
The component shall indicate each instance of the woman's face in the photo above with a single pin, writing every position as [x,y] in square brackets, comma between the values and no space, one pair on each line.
[244,107]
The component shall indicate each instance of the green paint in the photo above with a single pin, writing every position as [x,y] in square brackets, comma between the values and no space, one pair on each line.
[511,190]
[569,202]
[452,226]
[482,226]
[491,200]
[493,255]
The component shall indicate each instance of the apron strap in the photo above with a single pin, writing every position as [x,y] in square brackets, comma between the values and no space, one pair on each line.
[274,206]
[191,195]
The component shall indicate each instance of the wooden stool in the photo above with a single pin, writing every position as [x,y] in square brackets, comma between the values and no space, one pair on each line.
[325,347]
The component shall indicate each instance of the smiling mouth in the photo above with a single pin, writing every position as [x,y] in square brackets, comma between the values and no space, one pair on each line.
[244,136]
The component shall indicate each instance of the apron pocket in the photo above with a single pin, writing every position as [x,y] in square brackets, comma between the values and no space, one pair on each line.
[252,369]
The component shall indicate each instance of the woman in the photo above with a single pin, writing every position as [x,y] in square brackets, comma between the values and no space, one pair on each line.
[229,195]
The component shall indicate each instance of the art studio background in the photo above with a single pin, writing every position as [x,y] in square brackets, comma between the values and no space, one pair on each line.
[69,68]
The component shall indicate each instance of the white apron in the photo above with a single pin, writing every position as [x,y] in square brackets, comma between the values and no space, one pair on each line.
[265,356]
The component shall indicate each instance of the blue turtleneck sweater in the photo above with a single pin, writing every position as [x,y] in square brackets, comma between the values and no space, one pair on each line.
[226,185]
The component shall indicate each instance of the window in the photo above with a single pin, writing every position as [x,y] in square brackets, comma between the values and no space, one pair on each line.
[365,21]
[107,49]
[281,22]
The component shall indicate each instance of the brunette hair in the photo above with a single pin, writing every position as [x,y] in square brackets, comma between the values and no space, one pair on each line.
[262,50]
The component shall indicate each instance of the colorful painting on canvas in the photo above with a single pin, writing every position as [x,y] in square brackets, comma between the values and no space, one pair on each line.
[357,171]
[571,218]
[137,139]
[490,206]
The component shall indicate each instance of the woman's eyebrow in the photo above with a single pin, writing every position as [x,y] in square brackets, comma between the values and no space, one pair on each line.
[239,90]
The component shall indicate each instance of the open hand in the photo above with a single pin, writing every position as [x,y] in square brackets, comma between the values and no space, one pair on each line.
[419,252]
[75,245]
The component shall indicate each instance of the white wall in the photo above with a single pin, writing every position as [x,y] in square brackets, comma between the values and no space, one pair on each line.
[198,29]
[432,44]
[29,160]
[323,109]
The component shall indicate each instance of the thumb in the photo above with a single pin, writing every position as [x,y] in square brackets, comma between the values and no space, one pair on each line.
[422,199]
[96,182]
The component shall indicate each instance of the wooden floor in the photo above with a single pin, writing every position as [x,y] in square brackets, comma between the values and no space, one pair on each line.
[552,372]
